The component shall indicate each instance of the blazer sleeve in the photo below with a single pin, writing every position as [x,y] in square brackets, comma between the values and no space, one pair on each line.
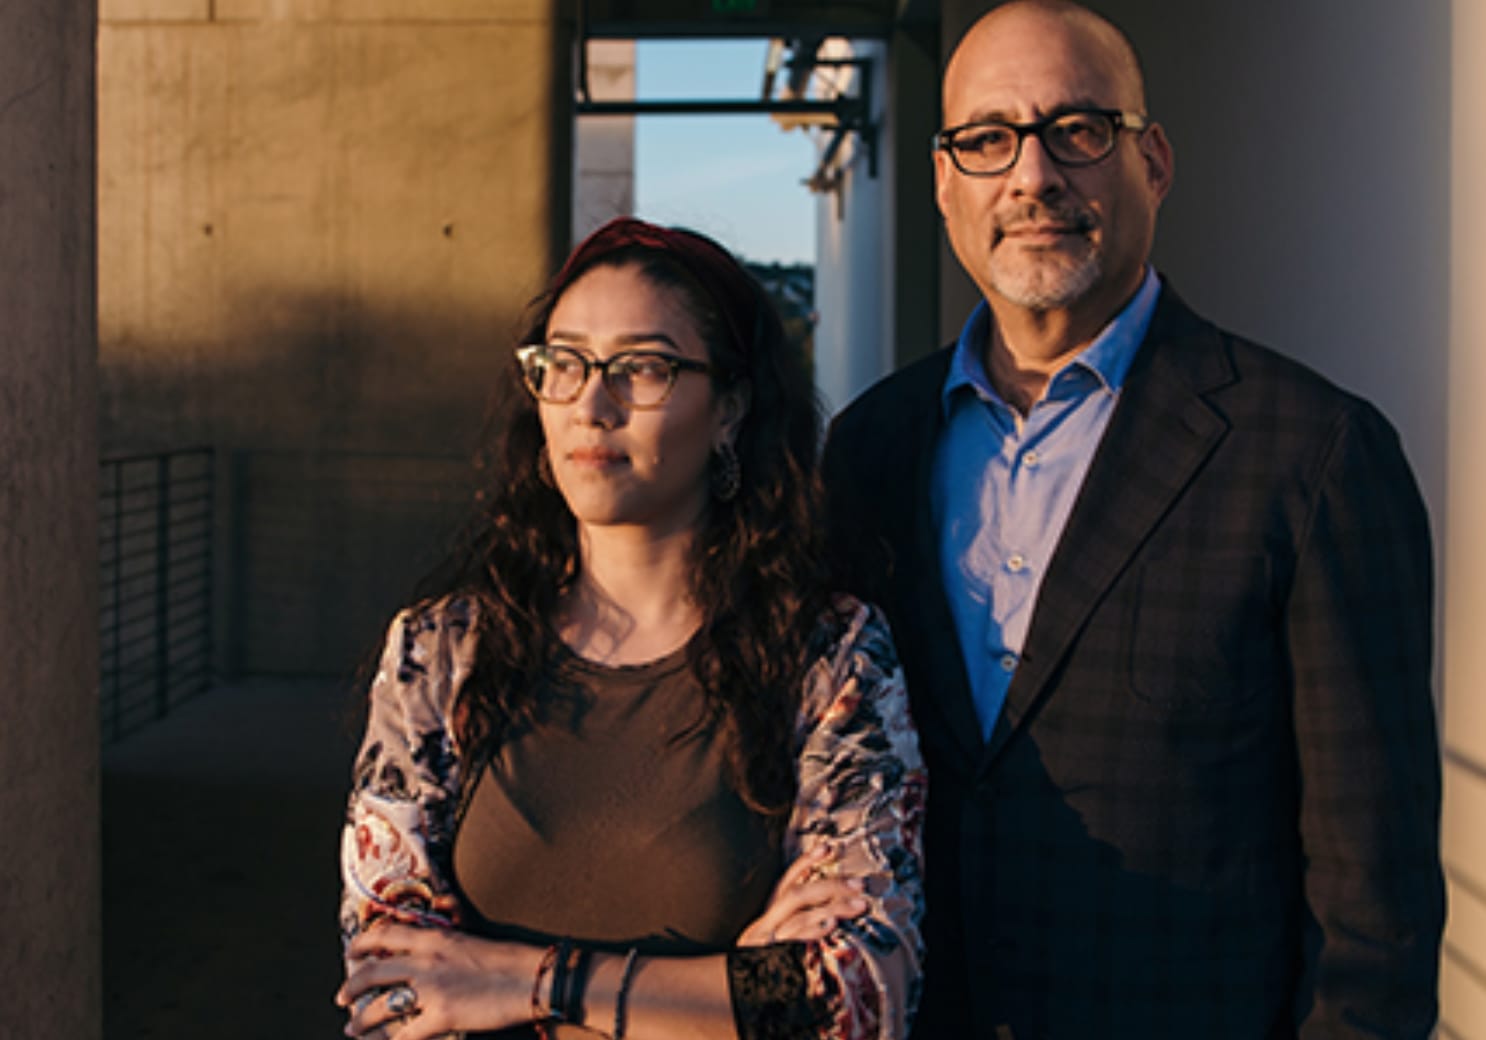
[1361,641]
[861,789]
[397,839]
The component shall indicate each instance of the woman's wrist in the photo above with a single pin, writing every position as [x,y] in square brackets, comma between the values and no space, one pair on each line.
[578,986]
[559,984]
[511,972]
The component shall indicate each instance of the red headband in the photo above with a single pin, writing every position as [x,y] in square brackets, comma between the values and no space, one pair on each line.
[723,279]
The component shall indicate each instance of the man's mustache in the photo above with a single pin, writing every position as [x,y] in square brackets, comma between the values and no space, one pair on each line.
[1071,218]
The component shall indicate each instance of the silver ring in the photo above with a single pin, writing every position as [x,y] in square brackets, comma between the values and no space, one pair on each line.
[402,999]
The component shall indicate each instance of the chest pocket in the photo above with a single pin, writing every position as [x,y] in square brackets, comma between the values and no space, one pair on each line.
[1203,632]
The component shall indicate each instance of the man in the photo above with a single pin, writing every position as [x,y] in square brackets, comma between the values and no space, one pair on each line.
[1163,598]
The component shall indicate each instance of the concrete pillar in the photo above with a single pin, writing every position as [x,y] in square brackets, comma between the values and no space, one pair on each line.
[877,228]
[604,146]
[49,872]
[913,89]
[854,279]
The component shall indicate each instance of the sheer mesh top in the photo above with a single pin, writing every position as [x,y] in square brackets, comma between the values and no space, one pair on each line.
[612,821]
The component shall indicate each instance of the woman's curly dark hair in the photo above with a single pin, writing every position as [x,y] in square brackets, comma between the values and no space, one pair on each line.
[757,574]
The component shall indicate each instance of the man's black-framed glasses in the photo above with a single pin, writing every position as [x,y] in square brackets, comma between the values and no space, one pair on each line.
[635,378]
[1074,137]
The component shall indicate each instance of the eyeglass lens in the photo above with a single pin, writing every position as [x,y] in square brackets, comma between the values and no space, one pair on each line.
[1073,138]
[558,374]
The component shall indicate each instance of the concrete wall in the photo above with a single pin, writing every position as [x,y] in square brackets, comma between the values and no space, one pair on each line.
[49,874]
[319,221]
[1295,221]
[1463,974]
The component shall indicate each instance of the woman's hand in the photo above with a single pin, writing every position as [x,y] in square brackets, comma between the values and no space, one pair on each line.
[807,903]
[459,982]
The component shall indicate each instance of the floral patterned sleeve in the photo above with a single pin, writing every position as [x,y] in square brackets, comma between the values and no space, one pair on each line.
[862,786]
[398,837]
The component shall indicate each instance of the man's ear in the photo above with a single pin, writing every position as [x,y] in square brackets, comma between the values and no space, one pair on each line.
[944,172]
[1160,161]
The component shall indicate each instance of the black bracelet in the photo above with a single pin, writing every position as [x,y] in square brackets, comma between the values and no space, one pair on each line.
[621,996]
[577,982]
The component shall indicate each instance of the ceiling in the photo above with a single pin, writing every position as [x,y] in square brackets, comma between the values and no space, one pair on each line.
[722,18]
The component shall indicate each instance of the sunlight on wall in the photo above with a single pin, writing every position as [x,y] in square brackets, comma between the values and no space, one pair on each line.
[1463,968]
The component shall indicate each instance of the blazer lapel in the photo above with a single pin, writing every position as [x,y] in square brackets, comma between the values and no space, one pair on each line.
[1160,435]
[920,584]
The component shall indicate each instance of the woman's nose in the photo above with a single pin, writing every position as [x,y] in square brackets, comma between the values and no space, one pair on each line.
[595,405]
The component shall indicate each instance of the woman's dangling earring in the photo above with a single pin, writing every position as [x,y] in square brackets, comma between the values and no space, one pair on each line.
[726,473]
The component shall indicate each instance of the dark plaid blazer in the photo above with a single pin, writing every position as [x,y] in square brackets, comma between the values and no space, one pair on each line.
[1211,805]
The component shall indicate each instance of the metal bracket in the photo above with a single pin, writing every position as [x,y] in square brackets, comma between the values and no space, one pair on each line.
[857,119]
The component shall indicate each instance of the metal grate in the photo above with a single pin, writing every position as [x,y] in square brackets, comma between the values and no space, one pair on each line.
[155,556]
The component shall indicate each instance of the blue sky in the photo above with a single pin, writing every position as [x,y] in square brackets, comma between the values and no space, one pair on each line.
[736,178]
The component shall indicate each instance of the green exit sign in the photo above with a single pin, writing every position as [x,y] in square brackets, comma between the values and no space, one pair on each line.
[735,6]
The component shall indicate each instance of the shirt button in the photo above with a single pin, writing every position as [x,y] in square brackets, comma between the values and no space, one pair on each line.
[1008,662]
[1030,459]
[1015,562]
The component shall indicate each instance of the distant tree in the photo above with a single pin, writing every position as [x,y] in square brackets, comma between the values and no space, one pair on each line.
[792,288]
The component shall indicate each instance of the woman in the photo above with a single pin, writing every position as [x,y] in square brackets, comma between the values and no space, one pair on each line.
[630,768]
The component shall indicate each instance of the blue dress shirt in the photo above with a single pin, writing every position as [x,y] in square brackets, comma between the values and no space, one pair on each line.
[1004,486]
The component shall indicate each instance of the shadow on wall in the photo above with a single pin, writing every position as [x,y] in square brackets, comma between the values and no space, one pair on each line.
[344,433]
[288,369]
[326,547]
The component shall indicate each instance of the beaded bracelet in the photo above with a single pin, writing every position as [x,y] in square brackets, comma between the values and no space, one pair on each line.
[538,1017]
[621,996]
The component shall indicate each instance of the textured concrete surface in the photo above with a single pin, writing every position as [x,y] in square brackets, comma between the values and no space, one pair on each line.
[221,828]
[48,525]
[319,222]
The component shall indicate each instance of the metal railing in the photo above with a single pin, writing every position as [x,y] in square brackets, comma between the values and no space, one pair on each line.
[155,563]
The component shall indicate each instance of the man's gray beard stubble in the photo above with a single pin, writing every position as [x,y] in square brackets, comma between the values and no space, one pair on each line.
[1038,288]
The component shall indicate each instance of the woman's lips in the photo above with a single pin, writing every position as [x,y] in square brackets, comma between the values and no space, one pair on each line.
[598,457]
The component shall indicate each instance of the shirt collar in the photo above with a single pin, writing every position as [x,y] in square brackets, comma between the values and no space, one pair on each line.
[1108,357]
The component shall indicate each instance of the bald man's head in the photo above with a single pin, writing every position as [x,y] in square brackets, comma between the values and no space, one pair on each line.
[1117,48]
